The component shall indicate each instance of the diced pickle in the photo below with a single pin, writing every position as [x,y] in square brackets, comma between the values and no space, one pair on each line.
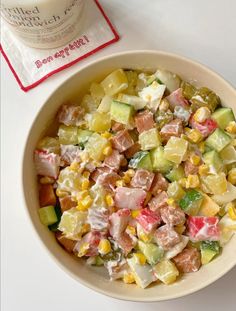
[159,162]
[99,122]
[132,77]
[188,90]
[141,159]
[175,149]
[95,146]
[205,97]
[166,271]
[115,82]
[163,117]
[149,139]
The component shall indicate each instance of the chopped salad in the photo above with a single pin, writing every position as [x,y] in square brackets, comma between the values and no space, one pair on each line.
[140,176]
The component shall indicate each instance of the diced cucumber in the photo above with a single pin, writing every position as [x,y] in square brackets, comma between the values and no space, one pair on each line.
[171,80]
[209,249]
[218,140]
[191,202]
[175,191]
[223,116]
[228,155]
[149,139]
[83,136]
[159,162]
[213,159]
[176,173]
[47,215]
[54,227]
[68,135]
[121,112]
[151,251]
[141,159]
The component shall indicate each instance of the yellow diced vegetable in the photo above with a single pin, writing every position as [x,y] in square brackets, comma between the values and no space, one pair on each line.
[203,169]
[135,213]
[109,200]
[107,151]
[231,128]
[183,182]
[99,122]
[61,193]
[166,271]
[95,146]
[232,211]
[86,174]
[120,183]
[192,181]
[232,176]
[104,246]
[170,201]
[175,149]
[209,207]
[194,159]
[131,230]
[97,92]
[201,146]
[128,278]
[140,258]
[85,203]
[130,172]
[115,82]
[217,184]
[126,178]
[106,135]
[193,135]
[85,184]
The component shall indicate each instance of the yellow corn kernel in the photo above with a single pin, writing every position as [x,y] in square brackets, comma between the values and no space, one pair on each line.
[81,195]
[148,198]
[130,172]
[170,201]
[202,114]
[232,211]
[106,135]
[85,203]
[85,184]
[83,249]
[109,200]
[222,212]
[46,180]
[135,213]
[61,193]
[128,278]
[193,135]
[120,183]
[201,146]
[182,182]
[203,169]
[140,258]
[145,237]
[126,179]
[107,151]
[180,229]
[104,246]
[74,166]
[131,230]
[231,128]
[192,181]
[194,159]
[232,176]
[86,174]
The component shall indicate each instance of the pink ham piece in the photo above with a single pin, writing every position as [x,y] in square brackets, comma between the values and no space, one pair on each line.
[67,203]
[176,98]
[47,164]
[116,127]
[142,179]
[67,244]
[70,114]
[118,223]
[172,215]
[202,228]
[114,160]
[70,153]
[130,152]
[92,238]
[189,260]
[190,168]
[167,237]
[148,220]
[144,121]
[98,218]
[126,243]
[108,180]
[173,128]
[131,198]
[159,184]
[158,201]
[205,128]
[99,171]
[122,141]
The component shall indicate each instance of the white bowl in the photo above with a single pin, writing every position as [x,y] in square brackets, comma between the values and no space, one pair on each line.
[97,278]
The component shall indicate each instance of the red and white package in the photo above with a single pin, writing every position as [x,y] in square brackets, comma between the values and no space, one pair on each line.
[31,66]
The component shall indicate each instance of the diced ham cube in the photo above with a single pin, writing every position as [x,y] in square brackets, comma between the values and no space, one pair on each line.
[201,228]
[70,153]
[189,260]
[114,160]
[144,121]
[131,198]
[99,171]
[130,152]
[173,128]
[108,180]
[47,164]
[70,114]
[167,237]
[98,218]
[67,244]
[176,98]
[67,203]
[172,215]
[92,238]
[119,222]
[205,128]
[122,141]
[126,243]
[159,184]
[148,220]
[116,127]
[142,179]
[47,195]
[189,168]
[158,201]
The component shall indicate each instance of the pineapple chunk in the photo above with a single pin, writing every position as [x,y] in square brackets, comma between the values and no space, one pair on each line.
[217,184]
[99,122]
[227,196]
[142,273]
[49,144]
[105,104]
[175,149]
[96,92]
[69,181]
[88,103]
[95,145]
[175,191]
[166,271]
[68,135]
[228,155]
[208,207]
[149,139]
[115,82]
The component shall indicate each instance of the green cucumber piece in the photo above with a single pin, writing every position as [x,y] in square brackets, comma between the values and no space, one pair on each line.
[223,116]
[47,215]
[121,112]
[209,249]
[83,136]
[218,140]
[212,159]
[151,251]
[141,159]
[159,162]
[54,227]
[176,174]
[191,202]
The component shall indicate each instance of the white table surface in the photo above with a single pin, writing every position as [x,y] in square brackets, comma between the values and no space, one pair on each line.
[202,30]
